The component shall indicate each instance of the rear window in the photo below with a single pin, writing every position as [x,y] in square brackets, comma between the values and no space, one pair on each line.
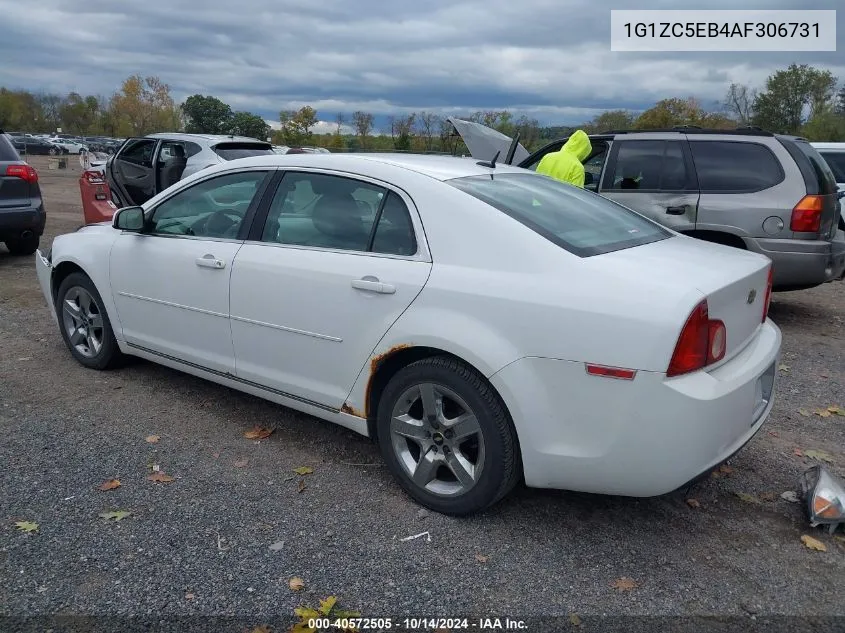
[734,166]
[233,151]
[836,162]
[577,220]
[8,153]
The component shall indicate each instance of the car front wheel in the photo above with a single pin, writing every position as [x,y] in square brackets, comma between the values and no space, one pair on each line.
[84,324]
[447,437]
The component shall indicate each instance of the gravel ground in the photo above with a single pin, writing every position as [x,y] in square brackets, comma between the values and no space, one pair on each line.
[201,545]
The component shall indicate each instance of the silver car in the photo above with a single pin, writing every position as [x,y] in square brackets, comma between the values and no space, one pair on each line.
[768,193]
[144,166]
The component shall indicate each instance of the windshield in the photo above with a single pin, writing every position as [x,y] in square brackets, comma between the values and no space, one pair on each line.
[579,221]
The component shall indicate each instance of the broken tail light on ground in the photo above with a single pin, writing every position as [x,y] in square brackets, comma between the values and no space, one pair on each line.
[825,497]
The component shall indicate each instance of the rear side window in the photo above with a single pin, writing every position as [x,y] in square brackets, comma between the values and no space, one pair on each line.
[233,151]
[823,175]
[734,166]
[8,153]
[579,221]
[836,162]
[651,165]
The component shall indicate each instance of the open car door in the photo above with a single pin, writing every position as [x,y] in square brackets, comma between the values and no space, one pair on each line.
[485,143]
[131,172]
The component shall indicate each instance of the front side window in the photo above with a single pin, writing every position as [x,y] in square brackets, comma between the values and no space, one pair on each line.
[212,208]
[579,221]
[649,165]
[326,211]
[734,166]
[139,152]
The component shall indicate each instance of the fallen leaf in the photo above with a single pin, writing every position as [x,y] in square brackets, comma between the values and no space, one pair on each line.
[303,470]
[189,596]
[26,526]
[574,620]
[327,605]
[836,410]
[820,456]
[797,451]
[824,374]
[109,484]
[789,495]
[241,463]
[774,433]
[215,455]
[624,584]
[258,433]
[693,503]
[117,515]
[153,439]
[822,413]
[301,485]
[481,558]
[813,544]
[783,368]
[804,412]
[768,496]
[748,498]
[160,478]
[727,470]
[296,583]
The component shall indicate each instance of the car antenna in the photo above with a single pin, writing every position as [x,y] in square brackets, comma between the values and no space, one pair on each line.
[490,163]
[512,150]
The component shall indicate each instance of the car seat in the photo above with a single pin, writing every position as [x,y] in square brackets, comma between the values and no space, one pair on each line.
[172,171]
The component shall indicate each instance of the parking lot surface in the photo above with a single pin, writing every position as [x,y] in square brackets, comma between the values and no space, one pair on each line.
[237,523]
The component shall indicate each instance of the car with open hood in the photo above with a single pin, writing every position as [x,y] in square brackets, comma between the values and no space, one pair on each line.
[767,193]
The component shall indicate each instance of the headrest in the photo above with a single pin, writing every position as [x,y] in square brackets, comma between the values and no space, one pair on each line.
[338,215]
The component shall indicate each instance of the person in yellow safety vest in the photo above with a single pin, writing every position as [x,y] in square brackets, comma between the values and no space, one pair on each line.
[566,164]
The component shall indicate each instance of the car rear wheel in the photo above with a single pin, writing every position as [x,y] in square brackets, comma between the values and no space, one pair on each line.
[447,437]
[84,324]
[52,151]
[23,245]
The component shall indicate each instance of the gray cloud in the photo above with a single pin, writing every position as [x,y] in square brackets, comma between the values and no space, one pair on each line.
[548,58]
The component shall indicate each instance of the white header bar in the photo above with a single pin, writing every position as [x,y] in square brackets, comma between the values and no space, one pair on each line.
[752,30]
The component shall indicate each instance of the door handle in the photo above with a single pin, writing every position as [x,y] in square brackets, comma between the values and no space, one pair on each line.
[372,284]
[210,261]
[676,210]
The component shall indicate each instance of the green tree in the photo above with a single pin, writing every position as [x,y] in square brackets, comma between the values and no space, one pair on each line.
[668,113]
[791,93]
[76,114]
[248,124]
[144,105]
[402,131]
[613,120]
[297,124]
[206,115]
[826,125]
[363,124]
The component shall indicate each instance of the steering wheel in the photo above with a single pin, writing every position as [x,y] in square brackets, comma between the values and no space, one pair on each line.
[223,223]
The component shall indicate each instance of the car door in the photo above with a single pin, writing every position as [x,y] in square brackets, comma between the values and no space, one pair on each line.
[333,264]
[593,164]
[132,172]
[654,175]
[170,282]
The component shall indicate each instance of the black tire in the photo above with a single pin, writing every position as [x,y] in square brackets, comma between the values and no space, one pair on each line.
[52,151]
[501,467]
[23,245]
[109,354]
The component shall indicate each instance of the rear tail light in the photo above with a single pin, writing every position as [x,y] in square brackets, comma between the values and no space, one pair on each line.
[807,215]
[93,177]
[24,172]
[702,342]
[768,299]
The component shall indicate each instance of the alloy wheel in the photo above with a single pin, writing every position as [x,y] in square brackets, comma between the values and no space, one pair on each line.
[437,439]
[83,321]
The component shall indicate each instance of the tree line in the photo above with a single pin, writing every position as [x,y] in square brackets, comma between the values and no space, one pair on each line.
[800,99]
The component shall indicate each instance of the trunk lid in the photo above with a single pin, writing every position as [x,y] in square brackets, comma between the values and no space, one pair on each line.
[14,192]
[484,142]
[733,281]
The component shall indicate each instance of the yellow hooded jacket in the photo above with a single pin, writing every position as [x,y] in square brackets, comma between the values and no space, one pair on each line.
[566,164]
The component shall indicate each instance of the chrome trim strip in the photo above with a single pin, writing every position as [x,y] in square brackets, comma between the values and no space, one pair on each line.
[234,378]
[326,337]
[173,305]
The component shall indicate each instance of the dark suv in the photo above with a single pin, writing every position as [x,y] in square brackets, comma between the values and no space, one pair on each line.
[22,216]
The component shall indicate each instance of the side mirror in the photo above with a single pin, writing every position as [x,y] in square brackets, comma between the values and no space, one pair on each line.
[129,219]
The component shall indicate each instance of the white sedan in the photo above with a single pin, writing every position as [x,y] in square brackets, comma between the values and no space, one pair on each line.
[71,147]
[486,324]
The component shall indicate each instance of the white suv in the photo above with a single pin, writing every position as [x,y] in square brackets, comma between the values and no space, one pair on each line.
[834,156]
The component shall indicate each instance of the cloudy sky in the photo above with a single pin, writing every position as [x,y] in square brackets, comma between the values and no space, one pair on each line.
[549,59]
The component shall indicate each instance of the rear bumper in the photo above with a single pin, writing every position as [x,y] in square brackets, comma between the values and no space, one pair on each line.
[44,271]
[16,220]
[803,264]
[638,438]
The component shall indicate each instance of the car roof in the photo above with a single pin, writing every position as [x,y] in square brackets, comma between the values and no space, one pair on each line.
[838,146]
[439,167]
[184,136]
